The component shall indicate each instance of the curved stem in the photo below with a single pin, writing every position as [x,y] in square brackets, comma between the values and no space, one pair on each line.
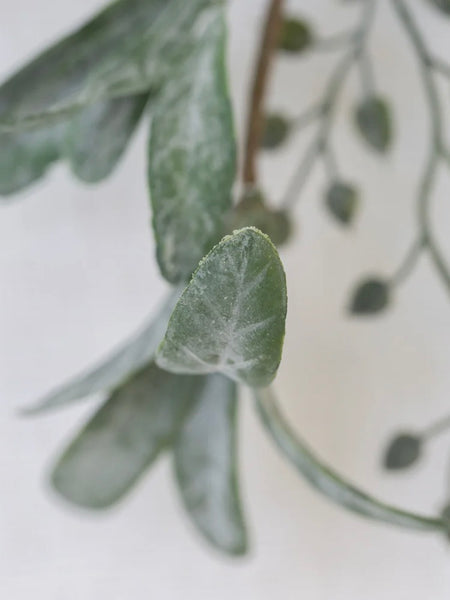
[329,101]
[329,482]
[409,262]
[437,146]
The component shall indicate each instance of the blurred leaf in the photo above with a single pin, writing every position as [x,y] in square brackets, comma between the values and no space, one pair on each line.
[98,135]
[373,119]
[371,296]
[276,131]
[295,36]
[26,156]
[342,201]
[124,437]
[442,5]
[125,360]
[206,467]
[231,317]
[192,161]
[126,49]
[328,482]
[403,451]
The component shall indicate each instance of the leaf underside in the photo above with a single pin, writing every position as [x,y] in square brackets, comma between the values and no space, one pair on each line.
[231,317]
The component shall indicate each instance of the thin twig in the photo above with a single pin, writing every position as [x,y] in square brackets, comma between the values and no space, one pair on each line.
[328,104]
[269,41]
[409,262]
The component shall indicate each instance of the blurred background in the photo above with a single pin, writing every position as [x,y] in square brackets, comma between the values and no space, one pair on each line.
[77,275]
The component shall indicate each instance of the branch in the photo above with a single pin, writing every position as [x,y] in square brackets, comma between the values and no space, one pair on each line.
[269,42]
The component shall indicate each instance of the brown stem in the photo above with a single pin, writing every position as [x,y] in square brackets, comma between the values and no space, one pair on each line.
[269,41]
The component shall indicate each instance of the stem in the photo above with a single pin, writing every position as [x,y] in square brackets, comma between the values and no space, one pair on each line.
[366,74]
[326,480]
[436,428]
[269,41]
[409,262]
[437,146]
[328,104]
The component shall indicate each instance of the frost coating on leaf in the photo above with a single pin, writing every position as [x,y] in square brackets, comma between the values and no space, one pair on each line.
[124,437]
[231,317]
[206,466]
[192,155]
[127,359]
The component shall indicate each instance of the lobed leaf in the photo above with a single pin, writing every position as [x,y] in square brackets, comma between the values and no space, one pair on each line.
[206,466]
[124,437]
[109,373]
[231,317]
[192,156]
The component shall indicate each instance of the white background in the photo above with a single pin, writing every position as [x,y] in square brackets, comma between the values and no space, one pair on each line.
[77,274]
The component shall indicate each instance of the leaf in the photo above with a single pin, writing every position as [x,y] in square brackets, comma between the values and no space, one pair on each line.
[120,364]
[124,437]
[371,296]
[403,451]
[206,467]
[328,482]
[192,156]
[442,5]
[26,156]
[296,36]
[373,119]
[231,316]
[98,135]
[342,201]
[276,131]
[126,49]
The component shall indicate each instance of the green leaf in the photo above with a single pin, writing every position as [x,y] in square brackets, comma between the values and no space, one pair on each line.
[206,467]
[26,156]
[403,451]
[126,49]
[120,364]
[370,297]
[442,5]
[231,317]
[98,135]
[124,437]
[192,156]
[373,119]
[328,482]
[342,201]
[296,36]
[276,131]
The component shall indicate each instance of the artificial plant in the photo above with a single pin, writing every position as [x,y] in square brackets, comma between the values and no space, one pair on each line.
[174,385]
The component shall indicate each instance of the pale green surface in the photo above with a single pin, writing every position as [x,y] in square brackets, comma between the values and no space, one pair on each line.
[109,373]
[124,437]
[231,317]
[192,157]
[206,466]
[127,48]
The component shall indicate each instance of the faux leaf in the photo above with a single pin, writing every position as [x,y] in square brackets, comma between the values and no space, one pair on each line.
[126,49]
[98,135]
[327,481]
[373,119]
[276,130]
[231,316]
[371,296]
[124,437]
[26,156]
[127,359]
[442,5]
[206,466]
[342,201]
[296,36]
[403,451]
[192,156]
